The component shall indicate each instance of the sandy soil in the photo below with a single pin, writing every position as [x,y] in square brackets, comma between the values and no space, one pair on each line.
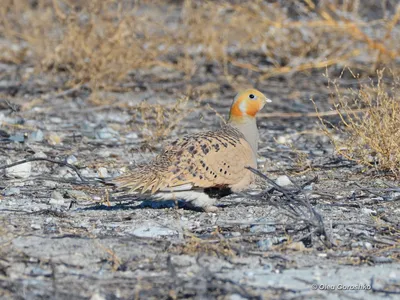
[61,239]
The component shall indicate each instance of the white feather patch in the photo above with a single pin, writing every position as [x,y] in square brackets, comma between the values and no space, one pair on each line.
[199,199]
[243,107]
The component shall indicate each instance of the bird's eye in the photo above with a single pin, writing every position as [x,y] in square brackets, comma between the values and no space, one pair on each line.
[251,96]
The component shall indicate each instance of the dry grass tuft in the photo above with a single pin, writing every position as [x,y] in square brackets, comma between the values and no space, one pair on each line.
[194,245]
[100,41]
[158,120]
[370,120]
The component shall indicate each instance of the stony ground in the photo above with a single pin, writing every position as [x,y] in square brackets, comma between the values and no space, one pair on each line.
[331,233]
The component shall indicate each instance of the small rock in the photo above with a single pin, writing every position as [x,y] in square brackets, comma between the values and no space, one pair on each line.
[56,120]
[262,228]
[368,211]
[368,245]
[35,226]
[11,191]
[132,136]
[56,202]
[235,233]
[265,245]
[152,231]
[57,195]
[20,171]
[236,297]
[40,154]
[18,138]
[283,181]
[103,173]
[282,140]
[106,133]
[356,245]
[50,184]
[104,153]
[36,136]
[97,296]
[71,159]
[308,187]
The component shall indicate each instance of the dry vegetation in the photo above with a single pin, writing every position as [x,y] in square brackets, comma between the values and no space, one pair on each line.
[370,122]
[100,42]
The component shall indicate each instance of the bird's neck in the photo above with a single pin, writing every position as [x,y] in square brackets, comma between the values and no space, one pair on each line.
[248,127]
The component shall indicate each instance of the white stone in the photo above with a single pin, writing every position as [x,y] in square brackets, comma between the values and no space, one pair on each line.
[56,202]
[35,226]
[103,173]
[19,171]
[40,154]
[283,181]
[152,231]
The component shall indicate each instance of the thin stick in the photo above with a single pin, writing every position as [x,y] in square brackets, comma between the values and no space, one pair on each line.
[310,114]
[61,163]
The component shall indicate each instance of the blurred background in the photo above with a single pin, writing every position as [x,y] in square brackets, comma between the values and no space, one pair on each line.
[115,45]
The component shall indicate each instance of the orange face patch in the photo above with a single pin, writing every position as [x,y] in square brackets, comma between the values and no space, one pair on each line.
[247,103]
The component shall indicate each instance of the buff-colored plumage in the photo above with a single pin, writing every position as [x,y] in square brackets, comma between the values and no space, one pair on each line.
[213,159]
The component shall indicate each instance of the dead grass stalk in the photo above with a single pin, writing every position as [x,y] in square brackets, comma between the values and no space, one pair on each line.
[370,120]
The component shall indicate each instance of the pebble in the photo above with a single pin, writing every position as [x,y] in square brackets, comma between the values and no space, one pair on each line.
[283,181]
[132,136]
[97,296]
[11,191]
[71,159]
[262,228]
[40,154]
[106,133]
[104,153]
[50,184]
[368,245]
[282,140]
[19,171]
[153,231]
[368,211]
[235,233]
[103,173]
[56,120]
[265,245]
[57,195]
[36,136]
[35,226]
[236,297]
[308,187]
[18,138]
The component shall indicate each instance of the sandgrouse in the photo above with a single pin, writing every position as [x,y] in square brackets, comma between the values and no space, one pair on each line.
[196,166]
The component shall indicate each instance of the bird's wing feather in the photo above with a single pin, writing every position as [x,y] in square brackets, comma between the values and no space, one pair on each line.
[215,158]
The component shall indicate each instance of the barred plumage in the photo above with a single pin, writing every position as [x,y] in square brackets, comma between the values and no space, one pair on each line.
[212,159]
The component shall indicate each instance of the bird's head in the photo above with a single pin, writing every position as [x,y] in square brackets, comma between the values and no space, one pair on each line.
[247,104]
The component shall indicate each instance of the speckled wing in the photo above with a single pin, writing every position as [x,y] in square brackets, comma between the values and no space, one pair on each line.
[210,159]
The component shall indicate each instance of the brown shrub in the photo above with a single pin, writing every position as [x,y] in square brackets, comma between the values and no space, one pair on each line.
[100,41]
[369,131]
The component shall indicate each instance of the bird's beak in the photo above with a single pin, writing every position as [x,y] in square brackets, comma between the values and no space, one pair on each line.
[268,100]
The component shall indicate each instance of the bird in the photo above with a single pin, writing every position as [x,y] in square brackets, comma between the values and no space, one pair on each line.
[200,168]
